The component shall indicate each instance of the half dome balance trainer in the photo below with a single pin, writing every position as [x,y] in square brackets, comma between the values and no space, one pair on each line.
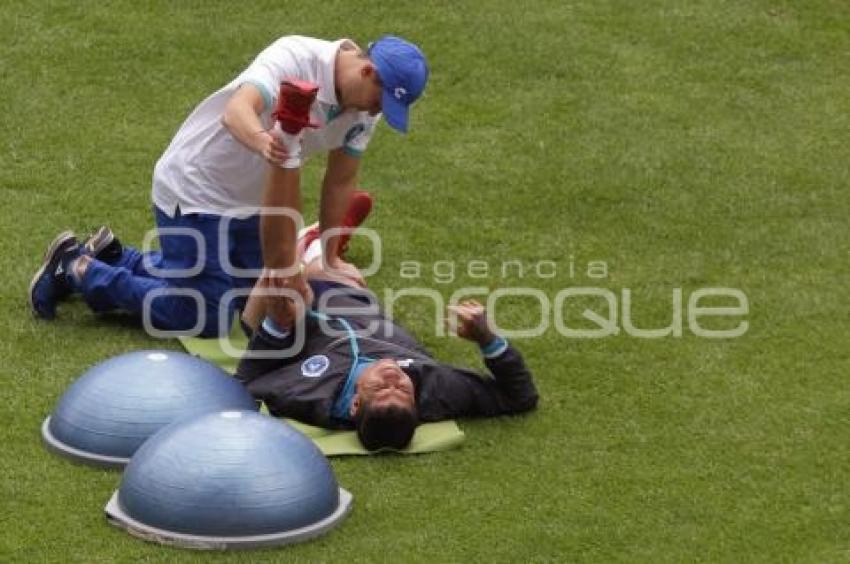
[116,405]
[232,479]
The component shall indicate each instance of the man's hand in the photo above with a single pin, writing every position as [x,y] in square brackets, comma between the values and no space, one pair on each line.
[282,305]
[279,148]
[270,147]
[472,323]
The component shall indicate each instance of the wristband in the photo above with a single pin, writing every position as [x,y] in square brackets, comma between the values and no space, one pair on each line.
[494,348]
[272,328]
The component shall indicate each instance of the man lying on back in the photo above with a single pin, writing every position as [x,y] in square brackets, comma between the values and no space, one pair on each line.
[352,367]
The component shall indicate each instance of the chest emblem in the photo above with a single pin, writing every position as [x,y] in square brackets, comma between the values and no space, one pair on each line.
[315,366]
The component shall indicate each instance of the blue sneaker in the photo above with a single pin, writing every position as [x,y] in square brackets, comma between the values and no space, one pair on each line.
[49,285]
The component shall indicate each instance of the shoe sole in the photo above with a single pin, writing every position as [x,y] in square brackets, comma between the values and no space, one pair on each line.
[54,246]
[99,241]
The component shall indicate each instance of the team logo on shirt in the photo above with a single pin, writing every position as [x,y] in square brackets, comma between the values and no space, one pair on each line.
[315,366]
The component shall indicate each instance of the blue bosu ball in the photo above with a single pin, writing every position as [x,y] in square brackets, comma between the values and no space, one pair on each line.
[232,479]
[115,406]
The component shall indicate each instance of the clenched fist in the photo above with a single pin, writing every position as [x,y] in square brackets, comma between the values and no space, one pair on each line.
[472,323]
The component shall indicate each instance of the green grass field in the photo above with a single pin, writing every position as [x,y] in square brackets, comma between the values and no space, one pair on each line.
[685,144]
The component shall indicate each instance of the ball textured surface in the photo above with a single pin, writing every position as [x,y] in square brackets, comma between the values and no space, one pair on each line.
[118,404]
[229,474]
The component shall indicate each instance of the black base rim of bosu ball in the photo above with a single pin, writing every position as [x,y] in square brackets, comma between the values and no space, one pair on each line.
[116,515]
[76,455]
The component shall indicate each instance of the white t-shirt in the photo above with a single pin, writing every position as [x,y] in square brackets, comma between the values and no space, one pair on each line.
[206,170]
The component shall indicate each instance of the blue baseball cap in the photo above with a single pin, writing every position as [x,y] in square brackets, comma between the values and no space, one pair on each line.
[404,73]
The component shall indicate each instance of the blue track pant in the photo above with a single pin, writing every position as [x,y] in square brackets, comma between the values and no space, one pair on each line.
[207,248]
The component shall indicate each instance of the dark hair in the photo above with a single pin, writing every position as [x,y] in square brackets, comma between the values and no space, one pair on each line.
[385,427]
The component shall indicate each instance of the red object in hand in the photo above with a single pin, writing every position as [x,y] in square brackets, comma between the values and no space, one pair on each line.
[293,105]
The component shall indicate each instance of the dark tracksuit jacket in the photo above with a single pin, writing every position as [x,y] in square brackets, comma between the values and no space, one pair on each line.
[305,386]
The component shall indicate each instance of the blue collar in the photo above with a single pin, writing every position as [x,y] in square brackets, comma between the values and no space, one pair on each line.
[342,406]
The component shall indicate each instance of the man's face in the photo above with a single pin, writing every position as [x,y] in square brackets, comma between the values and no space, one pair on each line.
[370,91]
[383,383]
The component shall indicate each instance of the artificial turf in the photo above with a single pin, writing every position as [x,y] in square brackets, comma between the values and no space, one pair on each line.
[684,144]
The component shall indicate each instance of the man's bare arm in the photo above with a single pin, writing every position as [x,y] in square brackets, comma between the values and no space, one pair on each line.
[241,117]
